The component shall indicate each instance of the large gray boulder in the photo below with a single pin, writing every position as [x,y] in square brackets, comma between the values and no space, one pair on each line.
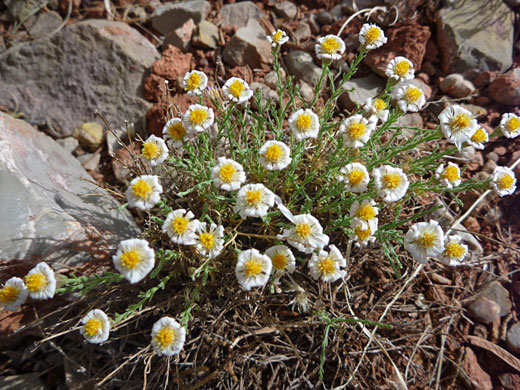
[49,211]
[62,79]
[476,35]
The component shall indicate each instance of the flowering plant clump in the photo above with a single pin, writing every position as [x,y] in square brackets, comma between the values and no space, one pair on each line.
[279,199]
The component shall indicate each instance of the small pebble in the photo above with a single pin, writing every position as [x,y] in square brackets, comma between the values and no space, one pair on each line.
[484,310]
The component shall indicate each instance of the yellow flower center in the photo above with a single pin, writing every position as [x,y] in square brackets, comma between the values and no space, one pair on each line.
[454,250]
[372,35]
[356,176]
[366,212]
[330,45]
[460,121]
[142,189]
[392,180]
[179,225]
[198,116]
[236,88]
[327,266]
[194,81]
[479,136]
[303,123]
[227,172]
[35,282]
[277,36]
[363,234]
[505,182]
[131,259]
[273,153]
[253,197]
[253,268]
[207,240]
[165,337]
[513,124]
[93,327]
[427,240]
[9,294]
[412,94]
[151,150]
[279,261]
[302,230]
[356,130]
[450,173]
[379,104]
[402,68]
[177,131]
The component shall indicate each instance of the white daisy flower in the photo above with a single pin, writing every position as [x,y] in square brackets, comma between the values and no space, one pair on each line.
[391,183]
[328,266]
[306,235]
[168,337]
[365,211]
[195,82]
[144,192]
[134,259]
[423,240]
[510,125]
[96,326]
[355,176]
[410,98]
[209,239]
[274,155]
[377,107]
[454,252]
[457,124]
[363,231]
[503,181]
[282,259]
[198,118]
[13,294]
[371,36]
[449,176]
[400,69]
[277,38]
[175,133]
[40,282]
[181,227]
[253,200]
[154,150]
[237,90]
[304,124]
[228,174]
[253,269]
[330,47]
[479,138]
[356,130]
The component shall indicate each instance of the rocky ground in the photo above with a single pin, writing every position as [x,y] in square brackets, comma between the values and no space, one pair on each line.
[61,60]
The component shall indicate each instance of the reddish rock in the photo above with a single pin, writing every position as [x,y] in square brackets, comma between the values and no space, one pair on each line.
[478,377]
[181,37]
[429,68]
[432,51]
[481,101]
[472,224]
[152,88]
[505,89]
[123,161]
[484,79]
[406,39]
[156,118]
[173,63]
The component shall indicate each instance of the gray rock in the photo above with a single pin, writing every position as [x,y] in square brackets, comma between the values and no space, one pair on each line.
[324,17]
[413,119]
[58,78]
[513,338]
[362,89]
[497,293]
[489,166]
[248,46]
[21,10]
[90,161]
[302,32]
[313,24]
[468,153]
[113,144]
[238,14]
[206,35]
[266,94]
[69,144]
[286,9]
[22,382]
[48,209]
[484,310]
[44,24]
[301,65]
[271,79]
[181,37]
[336,12]
[171,16]
[89,135]
[457,86]
[475,35]
[493,156]
[306,91]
